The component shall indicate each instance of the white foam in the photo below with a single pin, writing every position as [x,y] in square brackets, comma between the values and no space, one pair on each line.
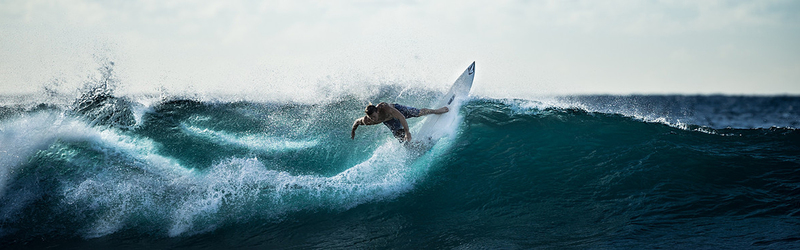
[143,106]
[252,141]
[24,136]
[246,186]
[236,189]
[105,190]
[240,183]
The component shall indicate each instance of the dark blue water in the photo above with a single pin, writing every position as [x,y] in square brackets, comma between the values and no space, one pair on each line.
[559,172]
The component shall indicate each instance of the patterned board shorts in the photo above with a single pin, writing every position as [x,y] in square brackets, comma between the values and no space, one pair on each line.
[395,125]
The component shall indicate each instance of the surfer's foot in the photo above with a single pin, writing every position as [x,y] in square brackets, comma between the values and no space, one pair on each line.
[441,110]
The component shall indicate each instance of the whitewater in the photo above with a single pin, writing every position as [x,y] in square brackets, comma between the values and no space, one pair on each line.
[99,169]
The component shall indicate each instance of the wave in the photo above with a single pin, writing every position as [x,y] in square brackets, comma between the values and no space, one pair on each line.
[188,167]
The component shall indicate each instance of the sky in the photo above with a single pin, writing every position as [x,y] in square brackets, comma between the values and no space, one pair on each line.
[308,48]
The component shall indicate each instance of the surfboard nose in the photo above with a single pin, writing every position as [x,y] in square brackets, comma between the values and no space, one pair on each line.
[471,68]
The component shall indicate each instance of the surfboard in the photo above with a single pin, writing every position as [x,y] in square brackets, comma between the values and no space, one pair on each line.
[435,127]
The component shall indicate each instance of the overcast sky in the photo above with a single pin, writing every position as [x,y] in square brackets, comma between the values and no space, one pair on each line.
[520,47]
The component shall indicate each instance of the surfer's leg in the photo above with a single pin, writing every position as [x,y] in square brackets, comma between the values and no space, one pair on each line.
[438,111]
[396,128]
[407,111]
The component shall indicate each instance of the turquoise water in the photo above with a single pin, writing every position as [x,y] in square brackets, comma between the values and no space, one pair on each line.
[556,172]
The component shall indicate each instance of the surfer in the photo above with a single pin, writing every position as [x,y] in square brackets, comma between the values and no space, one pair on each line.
[393,116]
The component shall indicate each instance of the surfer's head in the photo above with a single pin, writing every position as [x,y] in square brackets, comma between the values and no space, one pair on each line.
[370,109]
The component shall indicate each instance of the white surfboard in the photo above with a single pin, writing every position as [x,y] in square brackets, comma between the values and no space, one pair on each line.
[436,126]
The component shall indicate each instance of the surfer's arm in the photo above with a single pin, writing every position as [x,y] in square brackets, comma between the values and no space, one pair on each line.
[399,116]
[359,121]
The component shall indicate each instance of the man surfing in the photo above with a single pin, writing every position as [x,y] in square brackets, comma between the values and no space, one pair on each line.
[393,116]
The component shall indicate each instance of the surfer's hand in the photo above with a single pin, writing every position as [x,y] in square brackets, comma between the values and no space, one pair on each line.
[408,137]
[353,135]
[446,109]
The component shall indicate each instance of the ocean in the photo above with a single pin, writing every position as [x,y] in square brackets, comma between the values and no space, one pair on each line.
[100,170]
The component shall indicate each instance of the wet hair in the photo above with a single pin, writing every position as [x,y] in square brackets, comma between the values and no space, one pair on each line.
[370,109]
